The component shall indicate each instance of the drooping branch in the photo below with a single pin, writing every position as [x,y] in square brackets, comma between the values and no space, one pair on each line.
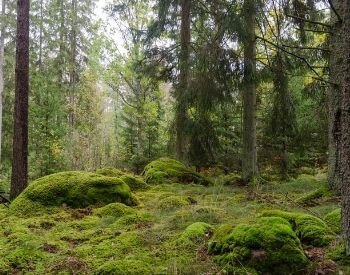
[116,89]
[309,21]
[296,56]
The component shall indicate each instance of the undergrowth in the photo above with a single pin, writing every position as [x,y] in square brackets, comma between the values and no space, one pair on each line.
[170,229]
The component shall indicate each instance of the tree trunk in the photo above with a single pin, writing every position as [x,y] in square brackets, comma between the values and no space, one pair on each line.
[334,101]
[20,134]
[345,122]
[249,158]
[2,48]
[181,96]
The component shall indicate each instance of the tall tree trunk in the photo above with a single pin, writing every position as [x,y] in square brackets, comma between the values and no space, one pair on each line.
[20,134]
[345,122]
[73,72]
[41,35]
[334,100]
[181,96]
[249,158]
[2,49]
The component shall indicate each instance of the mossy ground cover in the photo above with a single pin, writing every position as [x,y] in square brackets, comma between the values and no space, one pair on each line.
[169,232]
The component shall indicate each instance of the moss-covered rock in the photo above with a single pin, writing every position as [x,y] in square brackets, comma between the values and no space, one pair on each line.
[135,183]
[110,172]
[72,189]
[114,210]
[125,267]
[165,170]
[269,246]
[333,219]
[196,233]
[311,230]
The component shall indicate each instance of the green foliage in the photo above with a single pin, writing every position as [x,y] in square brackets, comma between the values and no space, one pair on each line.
[268,246]
[333,219]
[74,189]
[309,229]
[166,170]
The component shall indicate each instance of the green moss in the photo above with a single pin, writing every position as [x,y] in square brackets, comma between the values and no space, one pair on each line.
[196,233]
[338,253]
[110,172]
[135,183]
[312,197]
[333,219]
[268,246]
[172,202]
[114,210]
[310,229]
[125,267]
[74,189]
[166,170]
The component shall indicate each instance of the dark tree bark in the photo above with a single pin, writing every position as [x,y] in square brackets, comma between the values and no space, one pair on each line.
[182,90]
[334,100]
[20,134]
[249,158]
[2,49]
[345,122]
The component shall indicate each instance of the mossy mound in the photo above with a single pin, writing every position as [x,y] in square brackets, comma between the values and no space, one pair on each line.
[110,172]
[135,183]
[165,170]
[73,189]
[333,219]
[311,230]
[173,202]
[114,210]
[196,233]
[125,267]
[269,246]
[312,197]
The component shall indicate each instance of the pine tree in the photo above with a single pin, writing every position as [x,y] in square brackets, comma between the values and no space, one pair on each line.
[20,135]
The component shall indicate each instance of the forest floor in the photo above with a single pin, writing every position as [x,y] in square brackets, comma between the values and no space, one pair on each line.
[152,238]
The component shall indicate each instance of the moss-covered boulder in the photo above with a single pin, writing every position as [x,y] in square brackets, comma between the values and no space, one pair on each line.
[110,172]
[311,230]
[135,183]
[114,210]
[333,219]
[196,233]
[72,189]
[165,170]
[269,246]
